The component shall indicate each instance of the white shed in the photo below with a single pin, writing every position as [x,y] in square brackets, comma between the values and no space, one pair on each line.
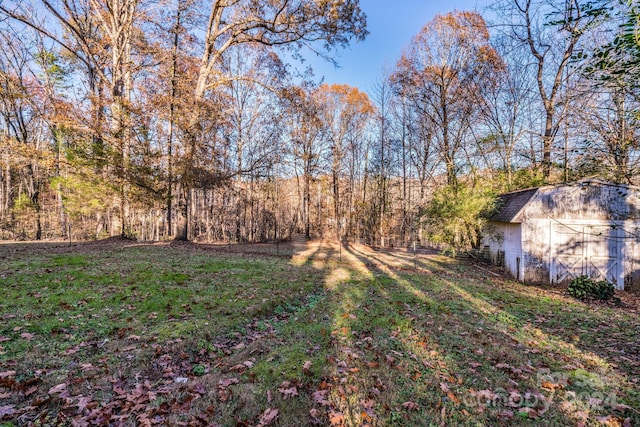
[554,233]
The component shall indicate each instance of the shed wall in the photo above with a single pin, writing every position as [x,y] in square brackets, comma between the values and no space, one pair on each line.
[504,242]
[536,247]
[561,232]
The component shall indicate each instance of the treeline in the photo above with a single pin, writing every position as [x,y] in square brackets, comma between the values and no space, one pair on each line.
[161,119]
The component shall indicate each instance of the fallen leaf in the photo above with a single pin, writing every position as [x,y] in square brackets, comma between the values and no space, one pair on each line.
[5,395]
[241,367]
[31,390]
[267,417]
[306,367]
[288,390]
[7,374]
[60,388]
[411,406]
[82,403]
[506,415]
[7,410]
[27,336]
[227,382]
[3,338]
[315,415]
[320,397]
[336,418]
[527,412]
[70,351]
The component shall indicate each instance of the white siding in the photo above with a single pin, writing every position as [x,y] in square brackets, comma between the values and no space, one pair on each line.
[513,250]
[563,231]
[504,242]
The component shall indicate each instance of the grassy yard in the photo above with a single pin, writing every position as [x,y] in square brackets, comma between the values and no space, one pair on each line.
[133,334]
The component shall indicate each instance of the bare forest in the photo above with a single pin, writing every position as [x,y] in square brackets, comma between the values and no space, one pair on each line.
[197,120]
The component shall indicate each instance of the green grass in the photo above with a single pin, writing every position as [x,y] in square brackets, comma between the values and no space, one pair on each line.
[124,326]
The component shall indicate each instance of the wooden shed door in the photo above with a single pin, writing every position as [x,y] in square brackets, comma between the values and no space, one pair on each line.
[588,250]
[569,258]
[604,253]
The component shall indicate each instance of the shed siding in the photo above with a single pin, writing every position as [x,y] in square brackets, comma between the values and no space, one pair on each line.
[631,255]
[591,227]
[536,241]
[504,242]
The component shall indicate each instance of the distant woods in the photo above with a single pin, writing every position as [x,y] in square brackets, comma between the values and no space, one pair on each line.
[182,119]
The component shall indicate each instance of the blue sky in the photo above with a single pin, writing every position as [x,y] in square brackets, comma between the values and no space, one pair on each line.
[391,25]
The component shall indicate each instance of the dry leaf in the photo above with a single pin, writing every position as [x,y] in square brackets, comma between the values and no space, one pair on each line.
[530,412]
[267,417]
[336,418]
[82,403]
[31,390]
[60,388]
[506,414]
[7,410]
[320,397]
[7,374]
[315,416]
[411,406]
[226,383]
[550,386]
[288,390]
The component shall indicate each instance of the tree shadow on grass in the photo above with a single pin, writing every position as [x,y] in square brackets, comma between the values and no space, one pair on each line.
[524,370]
[388,344]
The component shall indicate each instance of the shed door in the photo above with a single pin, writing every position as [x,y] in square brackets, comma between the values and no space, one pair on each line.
[569,258]
[604,253]
[594,251]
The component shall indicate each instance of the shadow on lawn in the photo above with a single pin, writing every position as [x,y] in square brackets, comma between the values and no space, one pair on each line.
[473,353]
[397,340]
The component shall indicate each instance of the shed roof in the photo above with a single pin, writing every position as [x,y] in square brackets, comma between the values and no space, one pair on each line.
[590,201]
[510,204]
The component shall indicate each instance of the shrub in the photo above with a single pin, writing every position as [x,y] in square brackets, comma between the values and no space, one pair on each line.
[584,288]
[456,215]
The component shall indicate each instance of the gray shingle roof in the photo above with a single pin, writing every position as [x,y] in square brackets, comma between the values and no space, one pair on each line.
[510,204]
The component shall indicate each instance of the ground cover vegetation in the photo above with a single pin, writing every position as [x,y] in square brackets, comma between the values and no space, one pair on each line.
[122,333]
